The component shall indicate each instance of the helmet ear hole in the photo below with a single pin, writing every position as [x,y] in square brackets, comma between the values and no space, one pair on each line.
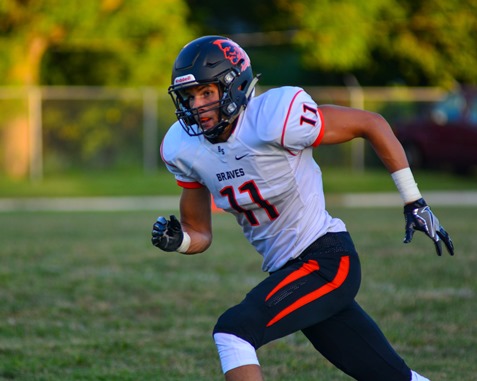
[243,86]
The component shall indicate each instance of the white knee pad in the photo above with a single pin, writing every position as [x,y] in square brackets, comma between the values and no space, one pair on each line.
[417,377]
[234,351]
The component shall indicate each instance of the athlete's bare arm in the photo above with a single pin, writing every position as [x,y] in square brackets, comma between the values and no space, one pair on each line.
[195,212]
[343,124]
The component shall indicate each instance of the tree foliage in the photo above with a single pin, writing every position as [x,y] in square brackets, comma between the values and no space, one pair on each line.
[334,35]
[427,42]
[129,41]
[416,42]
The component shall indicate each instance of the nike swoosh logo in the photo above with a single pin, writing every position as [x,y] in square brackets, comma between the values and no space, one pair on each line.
[240,157]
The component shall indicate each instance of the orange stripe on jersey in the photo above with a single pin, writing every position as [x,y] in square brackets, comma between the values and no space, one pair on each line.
[304,270]
[339,279]
[322,130]
[189,185]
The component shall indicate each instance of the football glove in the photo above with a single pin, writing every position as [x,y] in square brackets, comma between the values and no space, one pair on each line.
[418,216]
[167,235]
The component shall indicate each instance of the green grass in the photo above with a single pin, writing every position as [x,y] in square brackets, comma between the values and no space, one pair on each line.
[337,180]
[73,184]
[84,296]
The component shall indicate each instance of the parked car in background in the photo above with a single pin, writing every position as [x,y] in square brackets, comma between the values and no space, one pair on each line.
[445,136]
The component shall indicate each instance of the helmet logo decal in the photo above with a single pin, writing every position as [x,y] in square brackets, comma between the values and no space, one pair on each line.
[233,53]
[184,78]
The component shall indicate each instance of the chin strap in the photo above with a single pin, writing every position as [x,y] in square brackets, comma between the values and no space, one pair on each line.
[218,130]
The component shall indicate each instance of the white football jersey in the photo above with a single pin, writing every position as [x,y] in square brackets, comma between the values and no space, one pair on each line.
[264,173]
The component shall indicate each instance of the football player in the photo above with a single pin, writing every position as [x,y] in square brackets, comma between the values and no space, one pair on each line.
[253,154]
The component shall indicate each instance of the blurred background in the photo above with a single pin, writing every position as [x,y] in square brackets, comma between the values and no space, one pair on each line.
[83,84]
[83,110]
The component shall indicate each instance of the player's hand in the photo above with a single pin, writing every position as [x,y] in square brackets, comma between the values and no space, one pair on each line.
[167,235]
[419,217]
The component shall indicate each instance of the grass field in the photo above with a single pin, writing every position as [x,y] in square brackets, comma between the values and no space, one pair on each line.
[84,296]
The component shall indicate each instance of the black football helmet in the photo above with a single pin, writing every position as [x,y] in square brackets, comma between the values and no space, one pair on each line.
[212,59]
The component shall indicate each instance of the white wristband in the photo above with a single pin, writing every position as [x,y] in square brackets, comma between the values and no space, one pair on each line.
[406,185]
[185,244]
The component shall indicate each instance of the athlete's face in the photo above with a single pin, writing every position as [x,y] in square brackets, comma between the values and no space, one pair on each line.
[205,98]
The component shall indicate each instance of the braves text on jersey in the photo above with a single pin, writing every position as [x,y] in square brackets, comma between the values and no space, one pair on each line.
[264,173]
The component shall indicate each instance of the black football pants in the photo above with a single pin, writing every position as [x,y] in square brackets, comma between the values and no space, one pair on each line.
[315,294]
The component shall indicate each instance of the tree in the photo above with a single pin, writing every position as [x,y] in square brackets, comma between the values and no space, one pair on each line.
[83,42]
[426,42]
[140,36]
[436,37]
[416,42]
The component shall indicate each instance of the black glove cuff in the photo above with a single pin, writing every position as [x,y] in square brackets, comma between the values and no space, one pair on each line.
[408,208]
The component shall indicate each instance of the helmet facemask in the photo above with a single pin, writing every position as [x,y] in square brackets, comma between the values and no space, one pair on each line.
[227,108]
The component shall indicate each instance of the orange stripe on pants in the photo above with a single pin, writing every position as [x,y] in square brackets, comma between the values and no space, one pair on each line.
[338,280]
[304,270]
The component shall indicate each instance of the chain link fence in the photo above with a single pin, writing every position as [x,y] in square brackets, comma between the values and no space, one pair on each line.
[56,129]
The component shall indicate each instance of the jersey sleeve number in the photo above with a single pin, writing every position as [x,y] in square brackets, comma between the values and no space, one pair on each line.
[251,188]
[304,119]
